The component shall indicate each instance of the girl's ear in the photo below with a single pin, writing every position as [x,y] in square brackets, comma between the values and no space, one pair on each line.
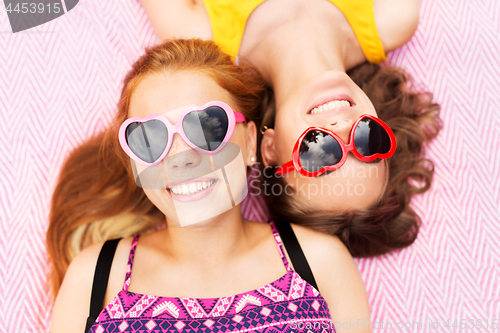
[251,132]
[267,148]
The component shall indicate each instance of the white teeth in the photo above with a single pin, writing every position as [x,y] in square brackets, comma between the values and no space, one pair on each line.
[191,188]
[332,105]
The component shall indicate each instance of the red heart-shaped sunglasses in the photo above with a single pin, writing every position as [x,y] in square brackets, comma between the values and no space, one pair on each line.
[319,150]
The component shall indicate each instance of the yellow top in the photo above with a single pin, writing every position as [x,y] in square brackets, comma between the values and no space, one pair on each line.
[228,19]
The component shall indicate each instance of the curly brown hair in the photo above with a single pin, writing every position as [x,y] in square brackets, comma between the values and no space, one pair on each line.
[390,223]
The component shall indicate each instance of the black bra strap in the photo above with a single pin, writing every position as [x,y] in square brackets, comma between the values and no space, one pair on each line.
[295,253]
[101,277]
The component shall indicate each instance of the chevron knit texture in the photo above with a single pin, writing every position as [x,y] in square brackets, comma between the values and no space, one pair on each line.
[60,83]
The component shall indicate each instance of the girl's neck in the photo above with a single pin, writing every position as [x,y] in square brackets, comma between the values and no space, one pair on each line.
[213,241]
[311,58]
[289,49]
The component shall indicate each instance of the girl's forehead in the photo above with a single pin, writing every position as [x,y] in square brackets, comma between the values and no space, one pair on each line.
[161,93]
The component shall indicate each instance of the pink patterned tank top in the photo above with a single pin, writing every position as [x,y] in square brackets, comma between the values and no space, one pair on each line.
[289,304]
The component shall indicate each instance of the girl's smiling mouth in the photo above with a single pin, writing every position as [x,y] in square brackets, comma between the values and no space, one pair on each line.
[192,190]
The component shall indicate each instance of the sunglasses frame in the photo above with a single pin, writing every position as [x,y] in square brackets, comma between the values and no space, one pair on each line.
[295,164]
[233,118]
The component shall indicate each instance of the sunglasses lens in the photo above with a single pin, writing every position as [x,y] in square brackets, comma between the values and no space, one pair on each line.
[371,138]
[147,140]
[206,128]
[317,150]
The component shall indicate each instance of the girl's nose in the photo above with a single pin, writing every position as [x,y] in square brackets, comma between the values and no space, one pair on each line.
[342,128]
[181,156]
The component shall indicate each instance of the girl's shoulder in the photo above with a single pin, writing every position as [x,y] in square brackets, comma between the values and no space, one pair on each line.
[85,264]
[169,18]
[326,255]
[396,21]
[72,304]
[337,276]
[89,255]
[82,267]
[317,244]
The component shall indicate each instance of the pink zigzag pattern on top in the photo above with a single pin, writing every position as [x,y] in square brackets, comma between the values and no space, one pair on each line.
[115,308]
[247,299]
[145,302]
[297,288]
[60,84]
[221,306]
[193,307]
[195,310]
[168,306]
[275,294]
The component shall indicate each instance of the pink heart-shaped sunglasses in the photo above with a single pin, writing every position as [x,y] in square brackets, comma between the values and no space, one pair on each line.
[205,128]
